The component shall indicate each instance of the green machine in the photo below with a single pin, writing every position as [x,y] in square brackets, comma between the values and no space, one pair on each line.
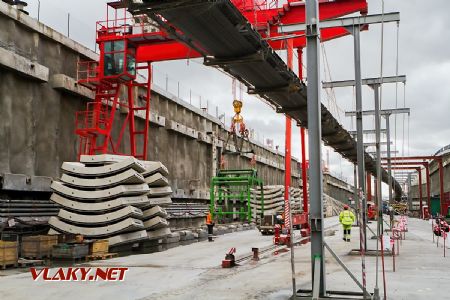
[435,203]
[231,195]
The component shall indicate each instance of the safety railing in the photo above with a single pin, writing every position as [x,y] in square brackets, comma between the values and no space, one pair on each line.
[87,71]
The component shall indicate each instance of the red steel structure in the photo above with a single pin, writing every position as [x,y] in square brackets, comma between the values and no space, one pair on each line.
[425,164]
[129,44]
[443,204]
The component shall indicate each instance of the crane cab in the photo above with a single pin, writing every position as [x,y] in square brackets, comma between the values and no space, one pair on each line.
[118,60]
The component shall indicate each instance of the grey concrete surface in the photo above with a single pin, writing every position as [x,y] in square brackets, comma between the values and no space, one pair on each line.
[109,193]
[138,201]
[104,218]
[106,170]
[128,224]
[194,272]
[127,177]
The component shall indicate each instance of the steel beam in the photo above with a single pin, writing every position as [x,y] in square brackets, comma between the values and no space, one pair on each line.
[367,131]
[344,22]
[371,144]
[366,81]
[382,112]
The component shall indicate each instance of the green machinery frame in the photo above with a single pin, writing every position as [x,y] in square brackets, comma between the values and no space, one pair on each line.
[234,186]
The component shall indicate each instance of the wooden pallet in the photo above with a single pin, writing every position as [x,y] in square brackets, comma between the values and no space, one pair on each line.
[30,262]
[100,256]
[4,266]
[37,257]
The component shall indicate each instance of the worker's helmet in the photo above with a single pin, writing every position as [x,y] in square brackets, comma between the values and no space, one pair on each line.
[346,207]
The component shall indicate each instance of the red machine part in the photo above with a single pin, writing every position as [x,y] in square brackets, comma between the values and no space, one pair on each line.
[371,210]
[265,16]
[132,43]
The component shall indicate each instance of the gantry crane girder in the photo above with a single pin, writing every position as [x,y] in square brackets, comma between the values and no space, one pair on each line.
[265,18]
[223,33]
[226,39]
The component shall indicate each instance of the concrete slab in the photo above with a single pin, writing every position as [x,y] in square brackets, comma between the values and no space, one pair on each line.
[23,66]
[20,182]
[160,201]
[113,204]
[69,85]
[152,167]
[160,191]
[158,233]
[155,223]
[104,218]
[94,195]
[128,224]
[157,119]
[129,176]
[79,169]
[153,212]
[129,237]
[156,180]
[173,237]
[102,159]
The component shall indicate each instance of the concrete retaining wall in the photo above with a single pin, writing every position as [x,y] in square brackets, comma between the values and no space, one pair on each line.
[39,97]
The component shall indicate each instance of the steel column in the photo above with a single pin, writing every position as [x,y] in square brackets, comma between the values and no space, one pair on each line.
[315,143]
[441,185]
[369,186]
[427,170]
[288,153]
[388,137]
[359,129]
[420,193]
[303,142]
[378,201]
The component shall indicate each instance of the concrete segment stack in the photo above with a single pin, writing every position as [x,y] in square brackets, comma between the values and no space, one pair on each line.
[112,197]
[274,200]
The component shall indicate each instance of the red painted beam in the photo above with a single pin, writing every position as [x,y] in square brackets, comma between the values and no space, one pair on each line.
[173,50]
[288,153]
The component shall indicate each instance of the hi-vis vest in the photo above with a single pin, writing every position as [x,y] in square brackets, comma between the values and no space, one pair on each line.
[346,217]
[209,219]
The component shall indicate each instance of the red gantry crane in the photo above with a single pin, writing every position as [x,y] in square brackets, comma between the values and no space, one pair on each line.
[129,44]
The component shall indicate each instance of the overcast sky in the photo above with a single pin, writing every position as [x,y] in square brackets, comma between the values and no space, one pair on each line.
[424,57]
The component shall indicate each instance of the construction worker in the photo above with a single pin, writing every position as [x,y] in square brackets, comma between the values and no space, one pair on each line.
[210,225]
[346,218]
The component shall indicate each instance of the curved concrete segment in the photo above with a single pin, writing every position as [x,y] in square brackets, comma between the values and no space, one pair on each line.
[155,223]
[114,192]
[123,213]
[155,211]
[158,233]
[156,180]
[152,167]
[129,176]
[124,225]
[126,238]
[100,206]
[160,191]
[102,159]
[160,201]
[81,170]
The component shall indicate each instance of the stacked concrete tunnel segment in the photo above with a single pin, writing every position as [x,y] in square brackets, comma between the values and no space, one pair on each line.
[227,40]
[113,197]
